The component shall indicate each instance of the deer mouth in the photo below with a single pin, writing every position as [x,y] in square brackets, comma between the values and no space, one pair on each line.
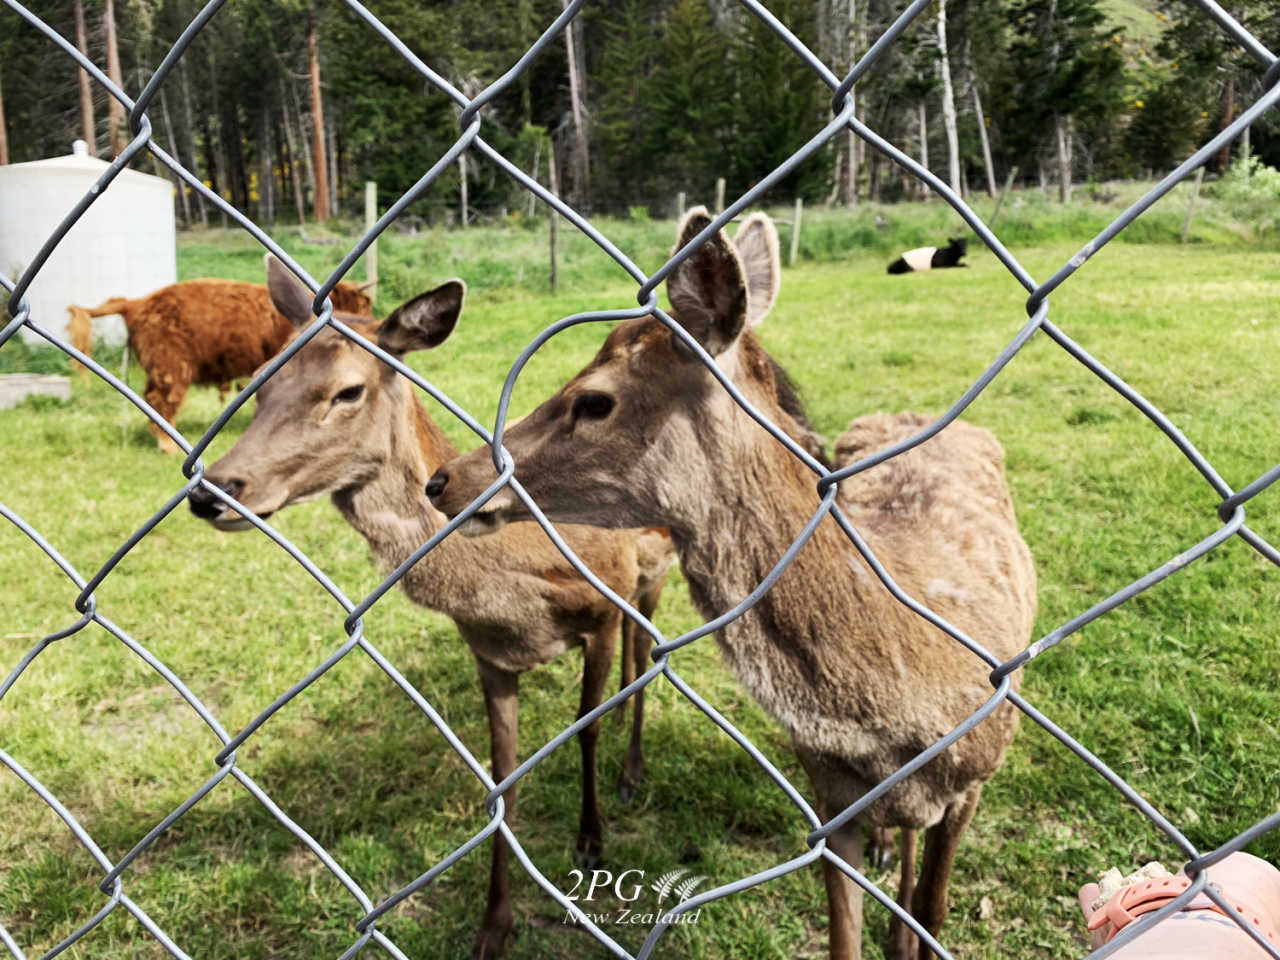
[483,522]
[231,521]
[491,516]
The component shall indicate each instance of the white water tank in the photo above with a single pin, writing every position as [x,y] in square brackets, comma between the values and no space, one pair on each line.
[123,245]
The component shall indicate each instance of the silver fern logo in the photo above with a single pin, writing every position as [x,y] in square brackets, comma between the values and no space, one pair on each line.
[671,883]
[626,888]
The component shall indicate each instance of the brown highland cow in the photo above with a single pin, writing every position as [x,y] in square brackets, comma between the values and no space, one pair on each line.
[206,331]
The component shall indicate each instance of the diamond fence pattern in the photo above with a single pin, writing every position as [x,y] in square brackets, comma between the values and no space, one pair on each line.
[1231,509]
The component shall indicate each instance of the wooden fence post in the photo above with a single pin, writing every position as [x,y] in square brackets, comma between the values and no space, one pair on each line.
[1191,204]
[1008,183]
[553,181]
[795,232]
[719,196]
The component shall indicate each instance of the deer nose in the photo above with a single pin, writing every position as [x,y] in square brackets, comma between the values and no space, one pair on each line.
[436,485]
[205,504]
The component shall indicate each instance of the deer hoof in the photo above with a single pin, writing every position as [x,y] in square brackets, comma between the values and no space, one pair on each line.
[491,944]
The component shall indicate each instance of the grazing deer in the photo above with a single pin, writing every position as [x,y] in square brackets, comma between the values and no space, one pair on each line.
[335,419]
[646,435]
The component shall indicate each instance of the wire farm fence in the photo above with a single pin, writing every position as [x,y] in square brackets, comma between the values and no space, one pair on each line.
[83,593]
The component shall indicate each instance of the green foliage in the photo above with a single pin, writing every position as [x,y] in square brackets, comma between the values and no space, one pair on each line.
[21,357]
[678,93]
[692,97]
[779,104]
[627,168]
[1250,192]
[1166,124]
[1208,76]
[1065,61]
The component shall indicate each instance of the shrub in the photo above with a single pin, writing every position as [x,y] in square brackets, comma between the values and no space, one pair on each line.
[1250,192]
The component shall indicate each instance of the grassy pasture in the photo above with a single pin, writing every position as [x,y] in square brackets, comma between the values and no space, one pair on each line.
[1176,690]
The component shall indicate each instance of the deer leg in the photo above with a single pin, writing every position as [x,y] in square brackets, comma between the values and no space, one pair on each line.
[628,661]
[844,897]
[641,645]
[501,692]
[900,934]
[597,661]
[929,905]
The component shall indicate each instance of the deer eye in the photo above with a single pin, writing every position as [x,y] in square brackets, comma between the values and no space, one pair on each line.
[349,395]
[592,406]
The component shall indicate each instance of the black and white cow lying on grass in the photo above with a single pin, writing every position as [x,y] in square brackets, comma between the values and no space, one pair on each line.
[931,258]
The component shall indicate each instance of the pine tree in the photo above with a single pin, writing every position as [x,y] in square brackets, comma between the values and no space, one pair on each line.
[1066,73]
[624,118]
[692,96]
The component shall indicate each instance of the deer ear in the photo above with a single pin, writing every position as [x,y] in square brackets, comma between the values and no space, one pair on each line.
[288,295]
[757,245]
[425,321]
[707,290]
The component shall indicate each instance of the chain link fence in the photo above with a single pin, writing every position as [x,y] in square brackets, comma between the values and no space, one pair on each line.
[115,875]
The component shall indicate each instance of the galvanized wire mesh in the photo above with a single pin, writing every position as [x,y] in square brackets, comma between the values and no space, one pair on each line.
[1231,509]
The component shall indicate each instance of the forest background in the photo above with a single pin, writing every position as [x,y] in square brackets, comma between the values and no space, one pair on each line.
[286,108]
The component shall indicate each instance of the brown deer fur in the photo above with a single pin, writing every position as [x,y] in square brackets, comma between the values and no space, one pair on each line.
[205,331]
[335,419]
[645,435]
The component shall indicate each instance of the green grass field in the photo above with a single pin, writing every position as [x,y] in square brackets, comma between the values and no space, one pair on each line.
[1176,690]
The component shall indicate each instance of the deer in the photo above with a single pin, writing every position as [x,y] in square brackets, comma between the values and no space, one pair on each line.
[645,434]
[337,420]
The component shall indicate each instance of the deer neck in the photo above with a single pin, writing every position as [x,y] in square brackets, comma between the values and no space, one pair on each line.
[391,509]
[812,648]
[743,514]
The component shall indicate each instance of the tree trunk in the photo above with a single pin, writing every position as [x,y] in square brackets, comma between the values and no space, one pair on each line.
[982,134]
[213,141]
[577,95]
[1228,113]
[924,149]
[948,101]
[87,132]
[191,140]
[293,161]
[303,155]
[537,156]
[1064,160]
[853,143]
[239,175]
[178,185]
[183,199]
[333,168]
[117,129]
[282,161]
[320,199]
[266,184]
[837,177]
[213,164]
